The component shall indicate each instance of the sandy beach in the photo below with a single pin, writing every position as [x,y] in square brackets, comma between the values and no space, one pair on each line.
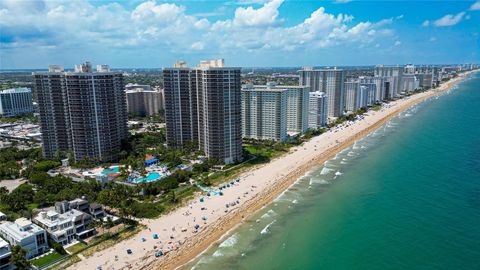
[182,242]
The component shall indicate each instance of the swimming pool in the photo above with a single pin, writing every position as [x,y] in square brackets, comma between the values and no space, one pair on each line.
[112,170]
[154,176]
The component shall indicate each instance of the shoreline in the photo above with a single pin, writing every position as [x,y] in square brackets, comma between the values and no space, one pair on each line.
[296,175]
[277,176]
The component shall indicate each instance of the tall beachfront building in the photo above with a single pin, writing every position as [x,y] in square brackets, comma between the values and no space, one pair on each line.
[394,76]
[202,106]
[143,100]
[82,112]
[270,112]
[425,80]
[297,108]
[16,101]
[317,110]
[380,84]
[181,112]
[329,81]
[264,112]
[410,82]
[359,95]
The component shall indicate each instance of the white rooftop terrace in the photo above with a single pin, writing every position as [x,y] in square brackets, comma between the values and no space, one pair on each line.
[20,229]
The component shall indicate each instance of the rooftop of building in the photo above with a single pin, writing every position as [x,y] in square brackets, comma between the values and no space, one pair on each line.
[52,218]
[203,65]
[318,94]
[4,249]
[85,68]
[141,90]
[321,69]
[3,243]
[20,229]
[16,90]
[78,201]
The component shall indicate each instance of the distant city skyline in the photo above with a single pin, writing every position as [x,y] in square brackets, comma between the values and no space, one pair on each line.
[247,33]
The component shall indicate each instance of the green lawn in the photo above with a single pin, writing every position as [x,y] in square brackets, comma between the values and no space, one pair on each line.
[76,248]
[45,260]
[32,206]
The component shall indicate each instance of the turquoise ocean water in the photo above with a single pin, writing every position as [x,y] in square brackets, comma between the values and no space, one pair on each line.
[405,197]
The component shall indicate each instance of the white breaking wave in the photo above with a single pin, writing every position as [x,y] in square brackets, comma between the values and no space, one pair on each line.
[318,181]
[217,253]
[355,146]
[266,229]
[230,242]
[271,212]
[325,170]
[338,173]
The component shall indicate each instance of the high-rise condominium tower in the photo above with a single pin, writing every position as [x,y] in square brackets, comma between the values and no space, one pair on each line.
[329,81]
[16,101]
[82,111]
[269,111]
[202,106]
[393,74]
[317,111]
[143,100]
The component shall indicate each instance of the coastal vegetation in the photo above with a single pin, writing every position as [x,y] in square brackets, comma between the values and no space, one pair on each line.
[18,258]
[23,118]
[11,161]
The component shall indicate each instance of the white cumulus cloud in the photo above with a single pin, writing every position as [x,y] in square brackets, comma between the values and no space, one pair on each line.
[475,6]
[155,26]
[449,20]
[266,15]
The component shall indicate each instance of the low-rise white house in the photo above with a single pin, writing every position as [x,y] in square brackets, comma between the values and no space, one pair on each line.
[5,255]
[24,233]
[70,220]
[65,227]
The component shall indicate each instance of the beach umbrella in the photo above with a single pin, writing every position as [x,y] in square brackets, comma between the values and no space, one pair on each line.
[208,194]
[158,253]
[204,218]
[155,236]
[201,199]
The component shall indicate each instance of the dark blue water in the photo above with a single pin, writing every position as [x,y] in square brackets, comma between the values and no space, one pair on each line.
[406,197]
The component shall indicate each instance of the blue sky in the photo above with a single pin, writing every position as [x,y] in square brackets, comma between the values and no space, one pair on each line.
[142,33]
